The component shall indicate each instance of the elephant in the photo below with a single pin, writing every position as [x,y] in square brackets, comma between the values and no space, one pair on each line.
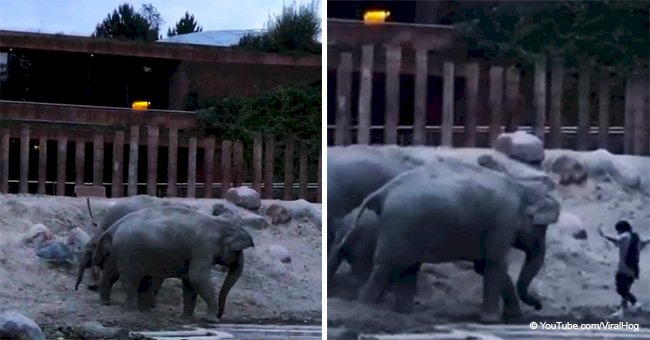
[353,172]
[155,243]
[112,215]
[449,211]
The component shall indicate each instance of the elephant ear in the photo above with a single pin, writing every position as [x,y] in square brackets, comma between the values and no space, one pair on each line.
[543,210]
[239,239]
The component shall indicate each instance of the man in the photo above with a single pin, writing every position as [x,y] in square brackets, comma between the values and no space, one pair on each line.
[630,245]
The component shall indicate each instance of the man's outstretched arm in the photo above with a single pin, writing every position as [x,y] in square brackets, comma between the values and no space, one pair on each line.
[614,239]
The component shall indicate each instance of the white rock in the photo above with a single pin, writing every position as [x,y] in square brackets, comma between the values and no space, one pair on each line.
[14,325]
[244,197]
[279,253]
[520,145]
[77,239]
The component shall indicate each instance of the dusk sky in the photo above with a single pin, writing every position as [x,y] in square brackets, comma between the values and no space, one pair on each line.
[79,17]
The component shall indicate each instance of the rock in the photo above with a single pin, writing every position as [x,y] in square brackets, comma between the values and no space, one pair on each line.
[580,234]
[521,146]
[38,235]
[96,330]
[14,325]
[56,252]
[304,209]
[570,170]
[278,214]
[255,221]
[225,207]
[244,197]
[279,253]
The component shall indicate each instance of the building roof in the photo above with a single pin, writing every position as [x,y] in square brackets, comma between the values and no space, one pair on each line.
[223,38]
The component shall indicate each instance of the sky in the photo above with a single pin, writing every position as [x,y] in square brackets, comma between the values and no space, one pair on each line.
[79,17]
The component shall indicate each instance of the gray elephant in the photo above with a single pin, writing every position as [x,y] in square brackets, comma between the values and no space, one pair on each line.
[113,214]
[353,172]
[156,243]
[455,211]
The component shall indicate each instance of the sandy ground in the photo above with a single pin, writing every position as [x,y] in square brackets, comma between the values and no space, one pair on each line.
[576,282]
[269,291]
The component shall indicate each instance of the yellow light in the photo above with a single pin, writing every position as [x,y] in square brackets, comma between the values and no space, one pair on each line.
[140,105]
[375,17]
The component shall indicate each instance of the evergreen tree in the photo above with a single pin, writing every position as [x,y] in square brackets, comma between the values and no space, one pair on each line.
[187,24]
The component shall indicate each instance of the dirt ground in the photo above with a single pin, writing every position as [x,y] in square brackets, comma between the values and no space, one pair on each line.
[576,283]
[269,291]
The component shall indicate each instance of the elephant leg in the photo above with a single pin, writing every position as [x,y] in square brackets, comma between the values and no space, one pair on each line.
[108,277]
[495,271]
[371,290]
[511,308]
[405,287]
[132,287]
[146,300]
[189,298]
[199,277]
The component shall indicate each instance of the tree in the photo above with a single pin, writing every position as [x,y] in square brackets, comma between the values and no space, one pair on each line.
[613,34]
[126,24]
[296,29]
[187,24]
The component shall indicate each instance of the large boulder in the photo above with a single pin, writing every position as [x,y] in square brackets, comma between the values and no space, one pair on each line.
[14,325]
[521,146]
[244,197]
[278,214]
[224,207]
[570,170]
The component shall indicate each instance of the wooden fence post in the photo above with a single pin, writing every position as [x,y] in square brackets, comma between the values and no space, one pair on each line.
[117,188]
[133,160]
[319,197]
[98,164]
[343,95]
[420,97]
[208,147]
[4,161]
[257,164]
[152,160]
[365,94]
[24,160]
[42,165]
[472,74]
[303,169]
[61,160]
[172,165]
[269,158]
[393,66]
[640,114]
[512,99]
[584,91]
[555,112]
[447,105]
[288,169]
[191,168]
[80,161]
[540,98]
[603,110]
[496,102]
[238,163]
[4,158]
[226,166]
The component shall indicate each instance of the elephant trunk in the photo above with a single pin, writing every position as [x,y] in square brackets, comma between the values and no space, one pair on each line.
[535,254]
[84,263]
[234,272]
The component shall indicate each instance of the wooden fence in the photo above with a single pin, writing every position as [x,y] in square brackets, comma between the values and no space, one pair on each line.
[493,90]
[45,161]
